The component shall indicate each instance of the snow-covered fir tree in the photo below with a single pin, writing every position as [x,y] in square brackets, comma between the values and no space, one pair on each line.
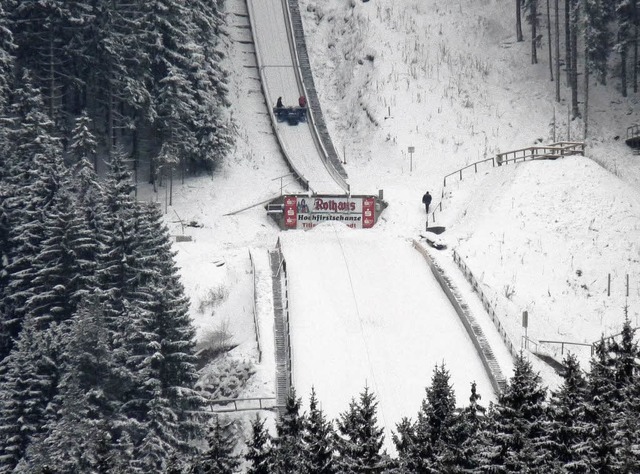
[360,438]
[460,453]
[288,451]
[219,458]
[28,382]
[84,434]
[514,437]
[319,440]
[258,450]
[601,402]
[34,173]
[565,425]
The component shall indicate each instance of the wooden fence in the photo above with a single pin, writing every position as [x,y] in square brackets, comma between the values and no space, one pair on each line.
[466,271]
[547,152]
[225,405]
[254,308]
[475,168]
[553,151]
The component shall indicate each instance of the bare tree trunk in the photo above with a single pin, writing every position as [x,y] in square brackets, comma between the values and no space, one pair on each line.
[52,82]
[586,96]
[557,51]
[519,36]
[567,39]
[634,6]
[109,137]
[575,111]
[549,37]
[635,46]
[534,31]
[623,68]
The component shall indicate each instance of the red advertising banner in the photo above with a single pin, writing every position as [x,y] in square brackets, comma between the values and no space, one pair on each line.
[290,212]
[368,212]
[304,212]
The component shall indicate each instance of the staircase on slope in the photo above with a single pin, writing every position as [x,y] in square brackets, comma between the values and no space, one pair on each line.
[281,336]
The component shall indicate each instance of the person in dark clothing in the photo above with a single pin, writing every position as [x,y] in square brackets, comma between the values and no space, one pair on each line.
[279,103]
[302,101]
[426,200]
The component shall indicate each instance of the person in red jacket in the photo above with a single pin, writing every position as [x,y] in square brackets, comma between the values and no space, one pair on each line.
[302,101]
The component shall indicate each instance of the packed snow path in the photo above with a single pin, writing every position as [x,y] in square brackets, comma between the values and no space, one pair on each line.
[277,68]
[366,310]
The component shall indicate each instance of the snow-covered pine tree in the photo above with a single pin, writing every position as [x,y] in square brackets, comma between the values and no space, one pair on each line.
[626,356]
[176,106]
[166,40]
[116,273]
[34,174]
[288,453]
[434,422]
[168,313]
[258,454]
[404,439]
[514,436]
[7,48]
[28,381]
[219,458]
[163,399]
[83,144]
[461,452]
[565,424]
[318,439]
[83,436]
[360,439]
[628,433]
[64,266]
[210,80]
[41,31]
[603,399]
[85,186]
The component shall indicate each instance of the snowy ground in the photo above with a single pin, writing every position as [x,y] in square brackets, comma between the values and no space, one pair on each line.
[367,311]
[449,79]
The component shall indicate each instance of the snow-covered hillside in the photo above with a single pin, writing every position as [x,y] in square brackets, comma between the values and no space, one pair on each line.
[449,78]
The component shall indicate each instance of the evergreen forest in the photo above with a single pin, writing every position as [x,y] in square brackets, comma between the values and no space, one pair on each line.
[97,351]
[588,425]
[97,370]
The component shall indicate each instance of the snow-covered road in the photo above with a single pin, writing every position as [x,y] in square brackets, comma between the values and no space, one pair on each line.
[366,310]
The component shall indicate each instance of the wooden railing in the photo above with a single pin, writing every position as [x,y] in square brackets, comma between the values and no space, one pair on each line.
[224,405]
[254,308]
[633,131]
[555,150]
[566,343]
[474,165]
[466,271]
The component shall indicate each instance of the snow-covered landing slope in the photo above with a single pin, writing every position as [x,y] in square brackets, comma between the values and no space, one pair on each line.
[366,310]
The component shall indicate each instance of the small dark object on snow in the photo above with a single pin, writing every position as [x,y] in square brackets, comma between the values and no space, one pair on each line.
[437,229]
[292,115]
